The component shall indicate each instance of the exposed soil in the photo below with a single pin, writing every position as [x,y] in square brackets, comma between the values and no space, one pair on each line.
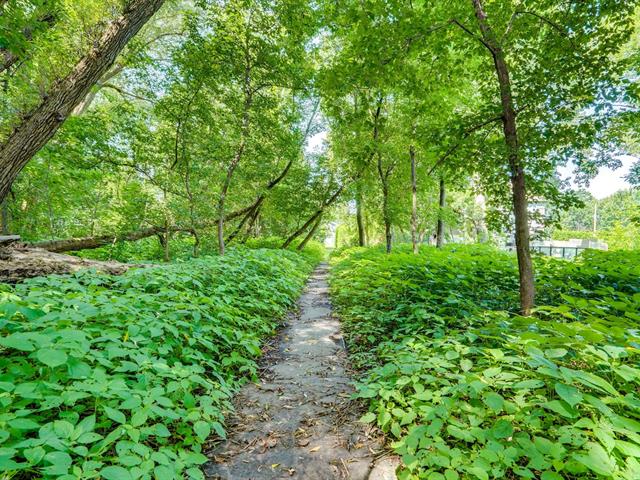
[299,421]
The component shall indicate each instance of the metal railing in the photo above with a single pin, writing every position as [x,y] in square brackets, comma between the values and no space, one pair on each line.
[551,251]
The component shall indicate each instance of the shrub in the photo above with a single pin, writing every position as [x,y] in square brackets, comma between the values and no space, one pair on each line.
[126,377]
[469,389]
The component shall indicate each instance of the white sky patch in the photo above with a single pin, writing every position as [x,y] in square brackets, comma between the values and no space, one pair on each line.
[608,181]
[316,143]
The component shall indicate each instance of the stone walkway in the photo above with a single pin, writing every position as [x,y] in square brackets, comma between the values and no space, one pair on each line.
[298,422]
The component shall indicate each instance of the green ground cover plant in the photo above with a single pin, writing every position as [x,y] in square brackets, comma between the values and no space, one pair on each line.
[126,377]
[468,389]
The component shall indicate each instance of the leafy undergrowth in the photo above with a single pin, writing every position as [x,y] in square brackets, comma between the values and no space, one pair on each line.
[468,389]
[126,377]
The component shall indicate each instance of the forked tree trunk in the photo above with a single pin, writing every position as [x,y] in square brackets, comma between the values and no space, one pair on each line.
[39,125]
[442,203]
[414,200]
[518,181]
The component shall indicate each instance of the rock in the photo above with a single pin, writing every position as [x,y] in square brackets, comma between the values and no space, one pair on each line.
[385,469]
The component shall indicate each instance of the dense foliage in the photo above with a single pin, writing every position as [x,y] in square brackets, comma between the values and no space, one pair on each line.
[203,130]
[469,389]
[614,219]
[126,377]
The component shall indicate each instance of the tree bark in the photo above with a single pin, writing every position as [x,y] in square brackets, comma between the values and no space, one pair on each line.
[166,244]
[82,243]
[414,200]
[441,206]
[5,218]
[313,217]
[244,132]
[311,233]
[518,180]
[386,216]
[359,217]
[41,123]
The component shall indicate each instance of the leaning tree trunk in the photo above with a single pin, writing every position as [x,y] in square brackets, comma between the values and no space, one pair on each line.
[414,201]
[311,233]
[314,217]
[40,124]
[301,230]
[442,203]
[518,181]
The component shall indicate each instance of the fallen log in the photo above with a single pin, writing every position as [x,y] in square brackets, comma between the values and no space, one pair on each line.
[82,243]
[19,261]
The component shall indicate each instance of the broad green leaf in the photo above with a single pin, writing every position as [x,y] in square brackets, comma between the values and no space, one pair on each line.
[596,459]
[51,357]
[202,430]
[115,472]
[115,415]
[568,393]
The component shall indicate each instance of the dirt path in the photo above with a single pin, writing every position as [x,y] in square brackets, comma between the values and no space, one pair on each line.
[298,421]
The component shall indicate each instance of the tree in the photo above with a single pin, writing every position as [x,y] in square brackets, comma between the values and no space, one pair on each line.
[40,124]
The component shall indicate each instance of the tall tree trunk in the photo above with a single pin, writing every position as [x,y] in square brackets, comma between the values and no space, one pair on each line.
[311,233]
[41,123]
[244,133]
[386,216]
[414,200]
[518,180]
[359,216]
[442,203]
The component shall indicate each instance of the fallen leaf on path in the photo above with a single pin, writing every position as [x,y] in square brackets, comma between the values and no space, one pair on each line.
[314,449]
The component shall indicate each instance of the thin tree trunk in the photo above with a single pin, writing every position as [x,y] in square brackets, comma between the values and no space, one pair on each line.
[167,255]
[313,217]
[359,217]
[518,180]
[41,123]
[442,203]
[248,98]
[301,230]
[414,200]
[386,217]
[311,233]
[250,215]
